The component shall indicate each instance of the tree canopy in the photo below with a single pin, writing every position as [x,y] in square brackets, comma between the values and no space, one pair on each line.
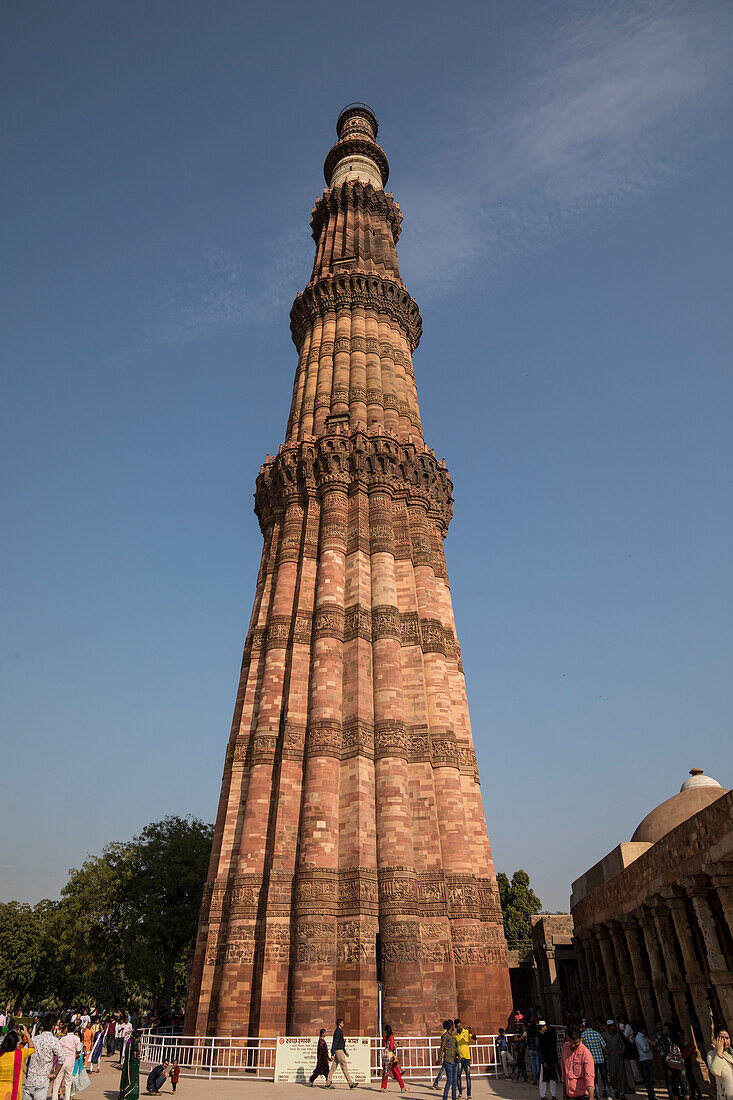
[519,904]
[120,932]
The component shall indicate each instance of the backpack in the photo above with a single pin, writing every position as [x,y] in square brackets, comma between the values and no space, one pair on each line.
[630,1051]
[674,1057]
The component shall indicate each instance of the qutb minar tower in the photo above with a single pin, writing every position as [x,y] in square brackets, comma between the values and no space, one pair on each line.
[350,842]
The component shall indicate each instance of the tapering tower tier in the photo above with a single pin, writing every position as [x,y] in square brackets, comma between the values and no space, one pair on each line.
[350,843]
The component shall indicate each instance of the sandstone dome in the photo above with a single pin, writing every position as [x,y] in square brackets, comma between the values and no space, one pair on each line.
[695,794]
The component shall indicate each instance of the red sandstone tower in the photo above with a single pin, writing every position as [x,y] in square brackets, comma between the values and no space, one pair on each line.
[350,841]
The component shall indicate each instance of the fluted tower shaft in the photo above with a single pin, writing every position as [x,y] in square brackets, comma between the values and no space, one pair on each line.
[350,842]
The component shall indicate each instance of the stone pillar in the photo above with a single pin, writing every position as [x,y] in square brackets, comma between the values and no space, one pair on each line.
[601,984]
[586,986]
[553,984]
[626,982]
[692,973]
[720,976]
[659,978]
[614,991]
[722,880]
[641,980]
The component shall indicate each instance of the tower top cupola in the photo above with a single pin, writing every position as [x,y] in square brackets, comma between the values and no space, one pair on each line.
[356,155]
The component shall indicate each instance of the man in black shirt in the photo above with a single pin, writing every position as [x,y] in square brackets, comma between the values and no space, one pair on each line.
[549,1062]
[339,1056]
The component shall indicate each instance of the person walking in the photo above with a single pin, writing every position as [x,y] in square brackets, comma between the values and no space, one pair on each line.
[614,1041]
[578,1068]
[122,1034]
[533,1034]
[520,1052]
[97,1043]
[690,1056]
[646,1062]
[339,1056]
[40,1067]
[130,1075]
[633,1072]
[71,1046]
[502,1049]
[674,1064]
[449,1056]
[720,1063]
[321,1069]
[110,1036]
[441,1071]
[597,1046]
[389,1060]
[549,1062]
[464,1035]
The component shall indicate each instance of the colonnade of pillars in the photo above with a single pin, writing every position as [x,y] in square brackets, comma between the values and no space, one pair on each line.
[672,958]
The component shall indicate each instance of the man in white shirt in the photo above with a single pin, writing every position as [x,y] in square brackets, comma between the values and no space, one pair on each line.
[40,1064]
[123,1033]
[71,1048]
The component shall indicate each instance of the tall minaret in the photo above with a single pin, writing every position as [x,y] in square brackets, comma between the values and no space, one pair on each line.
[350,843]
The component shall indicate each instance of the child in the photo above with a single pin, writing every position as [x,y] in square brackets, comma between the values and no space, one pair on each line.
[174,1075]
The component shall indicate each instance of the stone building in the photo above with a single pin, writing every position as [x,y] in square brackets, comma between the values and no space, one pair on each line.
[350,843]
[654,918]
[545,973]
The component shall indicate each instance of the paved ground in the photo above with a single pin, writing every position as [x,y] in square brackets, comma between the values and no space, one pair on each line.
[105,1086]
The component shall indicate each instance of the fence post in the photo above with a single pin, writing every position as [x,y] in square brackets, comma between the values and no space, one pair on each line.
[211,1059]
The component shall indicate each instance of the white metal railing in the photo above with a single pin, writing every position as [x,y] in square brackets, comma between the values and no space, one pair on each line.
[253,1057]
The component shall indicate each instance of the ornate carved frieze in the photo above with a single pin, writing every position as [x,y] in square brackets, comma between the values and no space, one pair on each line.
[357,739]
[328,622]
[409,628]
[359,196]
[372,463]
[398,890]
[390,739]
[316,890]
[278,631]
[346,290]
[418,745]
[385,622]
[293,741]
[431,636]
[357,891]
[264,743]
[444,749]
[323,738]
[358,623]
[303,627]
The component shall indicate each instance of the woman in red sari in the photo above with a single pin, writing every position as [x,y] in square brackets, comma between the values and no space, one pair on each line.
[13,1056]
[389,1061]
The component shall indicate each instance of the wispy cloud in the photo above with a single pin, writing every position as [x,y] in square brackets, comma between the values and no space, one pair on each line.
[596,113]
[214,292]
[592,114]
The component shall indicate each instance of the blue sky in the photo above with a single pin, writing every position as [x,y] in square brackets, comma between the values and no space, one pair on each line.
[564,171]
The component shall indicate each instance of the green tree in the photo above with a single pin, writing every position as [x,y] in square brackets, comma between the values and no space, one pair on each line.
[160,904]
[20,951]
[519,904]
[121,931]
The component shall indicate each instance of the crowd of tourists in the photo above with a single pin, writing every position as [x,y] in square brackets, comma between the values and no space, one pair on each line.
[56,1056]
[617,1058]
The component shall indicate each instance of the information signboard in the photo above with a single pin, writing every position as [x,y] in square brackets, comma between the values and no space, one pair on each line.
[296,1057]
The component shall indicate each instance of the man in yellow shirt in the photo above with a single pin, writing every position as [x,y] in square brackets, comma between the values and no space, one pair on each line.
[464,1035]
